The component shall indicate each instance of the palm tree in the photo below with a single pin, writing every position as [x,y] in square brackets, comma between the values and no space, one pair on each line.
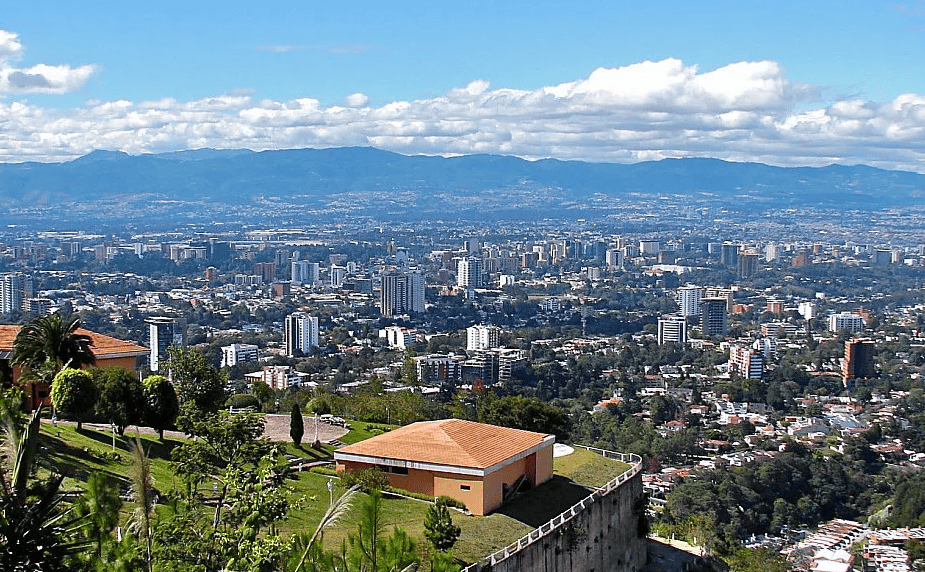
[48,344]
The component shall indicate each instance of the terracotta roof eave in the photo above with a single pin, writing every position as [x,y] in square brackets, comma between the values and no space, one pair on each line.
[392,462]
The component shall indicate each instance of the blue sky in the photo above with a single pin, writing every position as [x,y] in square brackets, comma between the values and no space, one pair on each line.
[779,82]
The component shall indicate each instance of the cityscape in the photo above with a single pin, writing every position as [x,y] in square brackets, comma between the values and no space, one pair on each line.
[506,287]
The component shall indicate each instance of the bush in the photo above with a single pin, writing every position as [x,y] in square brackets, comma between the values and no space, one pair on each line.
[242,400]
[450,501]
[404,493]
[368,479]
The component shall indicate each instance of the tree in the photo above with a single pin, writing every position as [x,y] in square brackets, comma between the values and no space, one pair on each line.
[197,382]
[52,340]
[296,425]
[439,528]
[369,550]
[73,393]
[264,393]
[161,404]
[121,397]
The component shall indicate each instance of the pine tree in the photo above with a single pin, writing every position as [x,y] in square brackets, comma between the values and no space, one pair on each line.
[296,425]
[439,528]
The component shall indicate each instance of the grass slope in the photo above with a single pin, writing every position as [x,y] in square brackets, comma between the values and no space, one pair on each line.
[77,455]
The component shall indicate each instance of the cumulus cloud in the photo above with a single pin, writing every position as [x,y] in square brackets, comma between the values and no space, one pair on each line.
[41,78]
[744,111]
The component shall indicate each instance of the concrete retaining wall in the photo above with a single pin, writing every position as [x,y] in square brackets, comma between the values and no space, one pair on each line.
[599,534]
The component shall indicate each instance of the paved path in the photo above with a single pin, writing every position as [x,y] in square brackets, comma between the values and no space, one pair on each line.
[669,556]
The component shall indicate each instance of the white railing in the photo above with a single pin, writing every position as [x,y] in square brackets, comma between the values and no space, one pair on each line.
[636,466]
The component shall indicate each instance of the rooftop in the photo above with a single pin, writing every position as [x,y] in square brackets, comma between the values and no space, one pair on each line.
[102,346]
[453,442]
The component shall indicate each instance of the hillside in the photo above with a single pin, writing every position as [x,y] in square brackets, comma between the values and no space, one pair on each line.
[366,181]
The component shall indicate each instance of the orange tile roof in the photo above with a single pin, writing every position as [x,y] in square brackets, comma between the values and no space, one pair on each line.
[453,442]
[102,346]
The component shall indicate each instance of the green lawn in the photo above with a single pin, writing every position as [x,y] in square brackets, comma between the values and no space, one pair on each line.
[77,455]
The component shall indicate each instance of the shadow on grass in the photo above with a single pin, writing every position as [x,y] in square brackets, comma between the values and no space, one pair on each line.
[60,458]
[538,506]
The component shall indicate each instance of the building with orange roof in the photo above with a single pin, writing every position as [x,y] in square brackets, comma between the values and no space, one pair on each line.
[475,463]
[108,352]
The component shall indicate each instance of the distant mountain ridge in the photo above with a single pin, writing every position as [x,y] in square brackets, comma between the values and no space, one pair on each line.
[320,176]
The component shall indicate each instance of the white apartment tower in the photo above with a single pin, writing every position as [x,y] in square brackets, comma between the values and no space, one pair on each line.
[688,300]
[402,293]
[301,333]
[469,273]
[15,289]
[482,337]
[672,329]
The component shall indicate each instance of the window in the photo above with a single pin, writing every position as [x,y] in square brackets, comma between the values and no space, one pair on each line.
[464,487]
[399,470]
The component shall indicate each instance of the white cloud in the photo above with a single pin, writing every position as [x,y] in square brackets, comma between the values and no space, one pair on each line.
[357,100]
[745,111]
[41,78]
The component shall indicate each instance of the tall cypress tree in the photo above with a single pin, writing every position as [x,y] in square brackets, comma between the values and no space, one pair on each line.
[296,425]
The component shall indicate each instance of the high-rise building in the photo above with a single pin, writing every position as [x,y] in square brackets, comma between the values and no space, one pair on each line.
[859,359]
[771,253]
[238,353]
[337,275]
[300,272]
[402,293]
[846,321]
[469,273]
[729,255]
[746,361]
[672,329]
[164,332]
[301,333]
[688,300]
[713,316]
[15,289]
[481,337]
[267,270]
[748,264]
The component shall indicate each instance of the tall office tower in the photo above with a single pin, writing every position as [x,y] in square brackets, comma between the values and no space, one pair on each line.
[771,253]
[748,264]
[267,270]
[729,255]
[672,329]
[482,337]
[471,245]
[301,333]
[164,332]
[469,273]
[688,300]
[746,361]
[300,272]
[402,293]
[337,275]
[649,247]
[713,316]
[859,360]
[614,259]
[15,289]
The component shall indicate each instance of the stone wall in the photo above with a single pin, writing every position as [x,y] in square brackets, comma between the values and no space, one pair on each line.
[599,534]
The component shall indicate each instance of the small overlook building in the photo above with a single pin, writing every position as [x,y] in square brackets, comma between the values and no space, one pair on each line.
[108,352]
[475,463]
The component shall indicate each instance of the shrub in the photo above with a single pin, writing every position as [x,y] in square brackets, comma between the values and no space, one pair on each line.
[450,501]
[242,400]
[368,479]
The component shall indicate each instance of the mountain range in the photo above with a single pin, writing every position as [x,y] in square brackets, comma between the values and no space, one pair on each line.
[375,181]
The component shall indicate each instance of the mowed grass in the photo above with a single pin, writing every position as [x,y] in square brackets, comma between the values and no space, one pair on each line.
[77,455]
[588,468]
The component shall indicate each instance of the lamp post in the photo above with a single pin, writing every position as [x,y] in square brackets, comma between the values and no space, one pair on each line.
[331,491]
[388,415]
[112,427]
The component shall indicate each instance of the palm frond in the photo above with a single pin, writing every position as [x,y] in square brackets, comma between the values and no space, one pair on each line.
[335,512]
